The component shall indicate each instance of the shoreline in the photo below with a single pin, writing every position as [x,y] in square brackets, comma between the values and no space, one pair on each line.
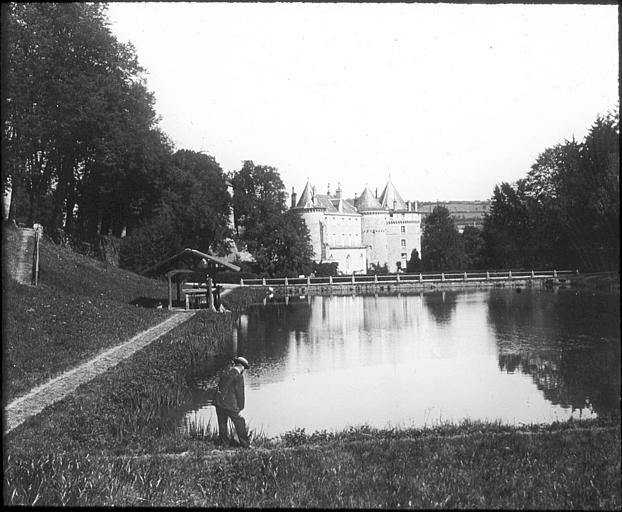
[115,441]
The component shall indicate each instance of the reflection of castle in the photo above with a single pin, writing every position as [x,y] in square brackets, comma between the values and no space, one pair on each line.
[360,232]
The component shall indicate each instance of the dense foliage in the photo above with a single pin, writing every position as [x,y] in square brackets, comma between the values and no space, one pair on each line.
[81,139]
[441,243]
[192,210]
[565,213]
[277,237]
[84,155]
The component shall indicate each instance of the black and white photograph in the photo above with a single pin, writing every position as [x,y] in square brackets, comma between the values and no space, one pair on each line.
[311,255]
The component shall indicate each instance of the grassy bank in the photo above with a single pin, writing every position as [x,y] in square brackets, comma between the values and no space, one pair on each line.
[80,307]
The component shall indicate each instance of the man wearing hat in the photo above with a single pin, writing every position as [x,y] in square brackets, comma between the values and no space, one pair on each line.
[230,401]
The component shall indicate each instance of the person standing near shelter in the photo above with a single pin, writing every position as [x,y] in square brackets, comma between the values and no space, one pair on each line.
[230,401]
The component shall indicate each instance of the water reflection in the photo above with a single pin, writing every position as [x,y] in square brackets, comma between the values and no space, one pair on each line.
[328,362]
[441,305]
[567,341]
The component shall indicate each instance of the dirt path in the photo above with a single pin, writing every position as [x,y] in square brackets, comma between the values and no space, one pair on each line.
[56,389]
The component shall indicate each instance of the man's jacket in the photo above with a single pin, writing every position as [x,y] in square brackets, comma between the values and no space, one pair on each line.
[230,394]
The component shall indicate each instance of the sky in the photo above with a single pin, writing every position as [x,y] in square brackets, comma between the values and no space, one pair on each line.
[446,100]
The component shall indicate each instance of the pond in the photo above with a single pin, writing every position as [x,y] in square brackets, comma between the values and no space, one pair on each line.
[515,356]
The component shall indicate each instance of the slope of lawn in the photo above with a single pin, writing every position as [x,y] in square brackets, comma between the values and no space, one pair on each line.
[80,307]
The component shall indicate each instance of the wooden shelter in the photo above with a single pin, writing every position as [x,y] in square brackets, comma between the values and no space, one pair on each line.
[190,266]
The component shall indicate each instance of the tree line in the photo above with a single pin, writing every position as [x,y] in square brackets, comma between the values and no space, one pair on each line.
[564,213]
[83,153]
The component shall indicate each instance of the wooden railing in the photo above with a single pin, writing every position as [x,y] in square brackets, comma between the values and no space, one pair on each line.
[423,277]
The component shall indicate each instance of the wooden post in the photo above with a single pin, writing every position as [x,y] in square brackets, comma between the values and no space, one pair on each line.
[210,295]
[442,276]
[465,276]
[509,274]
[241,282]
[375,278]
[532,274]
[397,277]
[178,291]
[330,279]
[308,281]
[487,275]
[420,277]
[554,273]
[352,278]
[286,282]
[187,301]
[36,257]
[170,292]
[263,281]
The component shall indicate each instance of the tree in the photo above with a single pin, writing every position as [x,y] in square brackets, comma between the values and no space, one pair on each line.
[505,228]
[258,195]
[571,202]
[192,210]
[285,248]
[414,264]
[80,127]
[473,247]
[442,247]
[277,238]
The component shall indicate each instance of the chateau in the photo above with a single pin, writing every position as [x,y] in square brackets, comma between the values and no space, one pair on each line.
[361,232]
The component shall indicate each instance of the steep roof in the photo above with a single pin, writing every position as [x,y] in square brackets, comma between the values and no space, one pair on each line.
[343,206]
[391,199]
[323,201]
[306,198]
[367,201]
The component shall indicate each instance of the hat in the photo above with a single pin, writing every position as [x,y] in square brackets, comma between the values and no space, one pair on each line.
[242,361]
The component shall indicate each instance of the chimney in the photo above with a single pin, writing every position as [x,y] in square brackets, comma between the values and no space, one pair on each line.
[415,205]
[293,198]
[376,192]
[407,205]
[338,191]
[328,190]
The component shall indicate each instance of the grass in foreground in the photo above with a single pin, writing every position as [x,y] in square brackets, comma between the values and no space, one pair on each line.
[567,468]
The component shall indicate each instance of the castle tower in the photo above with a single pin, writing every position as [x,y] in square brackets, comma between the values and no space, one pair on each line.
[373,227]
[403,228]
[313,214]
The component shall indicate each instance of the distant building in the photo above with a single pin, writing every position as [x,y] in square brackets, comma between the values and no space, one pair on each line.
[360,232]
[464,213]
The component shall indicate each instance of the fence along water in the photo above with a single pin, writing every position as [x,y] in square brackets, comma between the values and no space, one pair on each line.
[489,277]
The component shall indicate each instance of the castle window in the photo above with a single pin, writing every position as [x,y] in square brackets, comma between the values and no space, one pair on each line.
[403,229]
[403,243]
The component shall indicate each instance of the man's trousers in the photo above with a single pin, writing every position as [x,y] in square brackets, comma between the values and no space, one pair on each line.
[238,422]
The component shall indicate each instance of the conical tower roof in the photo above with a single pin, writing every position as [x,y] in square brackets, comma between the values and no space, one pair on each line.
[306,199]
[367,201]
[391,199]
